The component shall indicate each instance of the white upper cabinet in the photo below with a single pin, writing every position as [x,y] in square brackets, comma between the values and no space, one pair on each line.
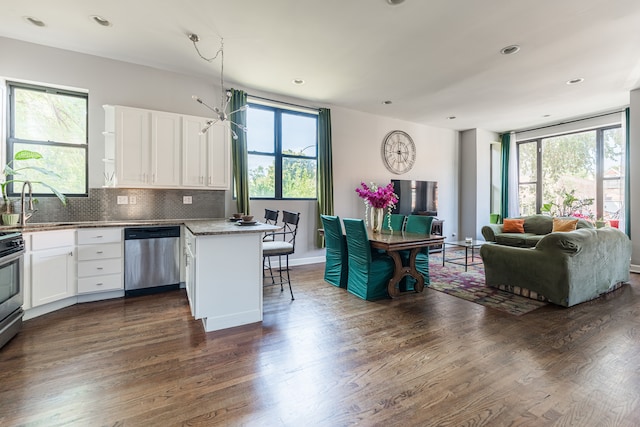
[206,158]
[219,158]
[155,149]
[165,149]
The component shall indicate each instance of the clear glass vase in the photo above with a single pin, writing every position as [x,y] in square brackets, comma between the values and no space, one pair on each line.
[377,216]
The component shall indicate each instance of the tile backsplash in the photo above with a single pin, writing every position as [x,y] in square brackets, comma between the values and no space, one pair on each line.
[101,205]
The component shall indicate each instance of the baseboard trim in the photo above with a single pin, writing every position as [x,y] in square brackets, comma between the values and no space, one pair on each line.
[635,268]
[298,261]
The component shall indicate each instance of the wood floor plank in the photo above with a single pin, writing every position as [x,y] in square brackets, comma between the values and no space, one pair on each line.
[327,359]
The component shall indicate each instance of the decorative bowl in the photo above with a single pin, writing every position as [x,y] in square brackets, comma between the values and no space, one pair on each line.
[247,218]
[238,215]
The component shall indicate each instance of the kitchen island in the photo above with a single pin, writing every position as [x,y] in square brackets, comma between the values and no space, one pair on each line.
[224,272]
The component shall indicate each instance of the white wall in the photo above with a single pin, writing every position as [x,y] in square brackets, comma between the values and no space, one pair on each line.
[108,82]
[475,176]
[356,136]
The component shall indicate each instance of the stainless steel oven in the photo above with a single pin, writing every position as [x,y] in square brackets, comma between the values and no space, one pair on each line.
[11,283]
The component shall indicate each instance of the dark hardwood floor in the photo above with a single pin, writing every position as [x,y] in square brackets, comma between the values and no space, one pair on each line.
[327,359]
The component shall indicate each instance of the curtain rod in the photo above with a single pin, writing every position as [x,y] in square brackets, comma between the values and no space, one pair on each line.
[282,102]
[565,123]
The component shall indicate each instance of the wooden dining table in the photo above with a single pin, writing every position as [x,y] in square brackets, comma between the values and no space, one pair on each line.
[395,241]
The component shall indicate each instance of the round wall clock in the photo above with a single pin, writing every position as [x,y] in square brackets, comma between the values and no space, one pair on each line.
[398,152]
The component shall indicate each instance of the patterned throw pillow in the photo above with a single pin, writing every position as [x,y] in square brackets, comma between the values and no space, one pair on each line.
[564,224]
[513,225]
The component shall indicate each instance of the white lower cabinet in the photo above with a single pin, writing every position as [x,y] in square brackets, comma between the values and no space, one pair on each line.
[100,261]
[52,266]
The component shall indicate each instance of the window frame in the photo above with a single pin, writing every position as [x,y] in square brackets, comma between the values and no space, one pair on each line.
[278,155]
[599,172]
[12,140]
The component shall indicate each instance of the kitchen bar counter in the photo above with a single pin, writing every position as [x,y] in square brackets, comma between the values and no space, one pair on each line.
[224,272]
[223,226]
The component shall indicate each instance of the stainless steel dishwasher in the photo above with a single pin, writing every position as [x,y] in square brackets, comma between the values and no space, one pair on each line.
[151,259]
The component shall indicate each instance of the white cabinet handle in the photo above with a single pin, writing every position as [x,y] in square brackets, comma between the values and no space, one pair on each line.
[99,268]
[99,284]
[99,252]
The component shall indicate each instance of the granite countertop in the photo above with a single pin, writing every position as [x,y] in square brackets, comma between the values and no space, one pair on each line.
[196,226]
[224,226]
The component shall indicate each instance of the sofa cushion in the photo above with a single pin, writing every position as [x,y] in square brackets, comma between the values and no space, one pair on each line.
[560,224]
[511,225]
[538,224]
[515,239]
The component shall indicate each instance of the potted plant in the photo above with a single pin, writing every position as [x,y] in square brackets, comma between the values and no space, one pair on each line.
[570,205]
[9,215]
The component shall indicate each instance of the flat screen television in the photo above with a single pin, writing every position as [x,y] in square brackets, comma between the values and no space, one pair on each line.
[416,197]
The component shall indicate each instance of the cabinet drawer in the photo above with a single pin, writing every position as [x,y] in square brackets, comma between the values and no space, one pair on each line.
[105,282]
[52,239]
[99,267]
[91,236]
[108,250]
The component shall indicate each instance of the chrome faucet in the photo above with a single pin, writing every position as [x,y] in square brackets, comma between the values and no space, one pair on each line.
[25,217]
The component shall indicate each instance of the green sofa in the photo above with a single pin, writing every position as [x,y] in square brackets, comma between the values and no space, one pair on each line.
[535,228]
[566,268]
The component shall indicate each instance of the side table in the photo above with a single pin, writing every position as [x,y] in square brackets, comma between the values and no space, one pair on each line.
[468,247]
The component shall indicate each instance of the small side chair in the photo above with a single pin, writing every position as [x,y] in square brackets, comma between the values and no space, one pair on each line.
[369,272]
[282,245]
[336,267]
[420,224]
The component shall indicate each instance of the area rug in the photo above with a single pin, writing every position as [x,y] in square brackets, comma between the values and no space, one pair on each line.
[469,285]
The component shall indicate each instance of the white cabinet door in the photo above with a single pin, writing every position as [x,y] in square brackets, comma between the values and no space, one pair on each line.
[165,149]
[219,159]
[190,271]
[133,146]
[194,152]
[53,275]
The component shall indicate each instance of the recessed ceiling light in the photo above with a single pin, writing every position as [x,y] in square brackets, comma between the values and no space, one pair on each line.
[395,2]
[510,50]
[100,20]
[34,21]
[575,81]
[387,102]
[297,82]
[451,118]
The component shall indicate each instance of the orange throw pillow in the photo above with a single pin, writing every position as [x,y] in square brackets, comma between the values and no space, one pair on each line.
[513,225]
[564,224]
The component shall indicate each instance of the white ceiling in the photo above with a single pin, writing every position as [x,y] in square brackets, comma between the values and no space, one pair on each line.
[432,58]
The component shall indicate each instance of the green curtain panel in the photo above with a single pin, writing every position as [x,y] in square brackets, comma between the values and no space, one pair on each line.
[325,170]
[239,151]
[627,186]
[504,176]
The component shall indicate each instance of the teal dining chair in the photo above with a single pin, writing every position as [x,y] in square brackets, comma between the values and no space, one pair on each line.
[420,224]
[396,221]
[369,272]
[336,267]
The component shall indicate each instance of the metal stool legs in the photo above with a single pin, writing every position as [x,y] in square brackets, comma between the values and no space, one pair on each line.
[282,280]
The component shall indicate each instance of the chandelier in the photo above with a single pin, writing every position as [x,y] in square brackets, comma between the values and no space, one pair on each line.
[220,113]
